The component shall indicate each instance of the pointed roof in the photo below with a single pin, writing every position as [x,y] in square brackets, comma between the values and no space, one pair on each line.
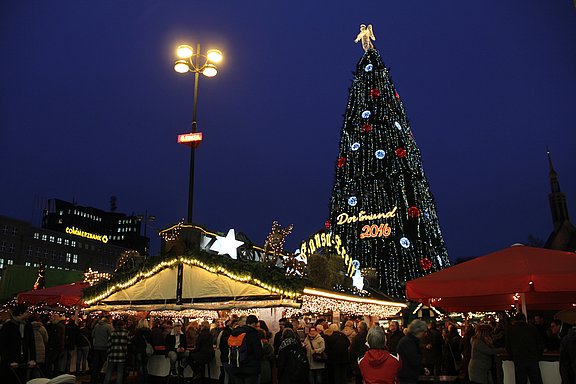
[563,236]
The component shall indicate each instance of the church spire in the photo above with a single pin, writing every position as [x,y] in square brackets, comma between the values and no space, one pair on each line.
[557,198]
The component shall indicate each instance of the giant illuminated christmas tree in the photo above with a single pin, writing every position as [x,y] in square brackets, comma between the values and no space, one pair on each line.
[381,205]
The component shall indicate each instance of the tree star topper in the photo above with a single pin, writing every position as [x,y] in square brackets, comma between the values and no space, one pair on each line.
[227,245]
[365,36]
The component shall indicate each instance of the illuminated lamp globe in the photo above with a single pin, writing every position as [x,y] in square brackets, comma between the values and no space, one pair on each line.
[181,66]
[214,55]
[184,51]
[210,70]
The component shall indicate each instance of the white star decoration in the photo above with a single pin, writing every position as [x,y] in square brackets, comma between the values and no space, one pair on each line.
[227,245]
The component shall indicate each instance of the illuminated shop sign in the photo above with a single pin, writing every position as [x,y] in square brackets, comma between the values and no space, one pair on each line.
[88,235]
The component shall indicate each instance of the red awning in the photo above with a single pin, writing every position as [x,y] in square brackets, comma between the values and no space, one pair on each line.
[547,278]
[67,295]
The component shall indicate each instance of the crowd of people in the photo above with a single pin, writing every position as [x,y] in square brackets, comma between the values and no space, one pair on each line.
[245,351]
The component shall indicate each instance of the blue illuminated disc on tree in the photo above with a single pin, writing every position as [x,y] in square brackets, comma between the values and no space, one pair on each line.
[397,124]
[355,146]
[380,154]
[404,242]
[352,201]
[366,114]
[368,68]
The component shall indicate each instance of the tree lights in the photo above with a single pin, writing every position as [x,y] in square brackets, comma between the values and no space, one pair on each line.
[381,205]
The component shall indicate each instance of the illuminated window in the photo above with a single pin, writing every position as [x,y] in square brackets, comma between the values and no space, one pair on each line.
[27,264]
[44,237]
[59,240]
[75,259]
[73,243]
[10,262]
[36,235]
[66,242]
[68,257]
[51,239]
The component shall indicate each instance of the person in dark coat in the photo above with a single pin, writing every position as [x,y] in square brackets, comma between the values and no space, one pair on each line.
[282,323]
[248,371]
[358,348]
[203,350]
[70,334]
[525,347]
[452,356]
[175,344]
[394,335]
[17,346]
[223,347]
[568,357]
[466,351]
[337,351]
[432,353]
[411,354]
[55,352]
[82,347]
[293,365]
[142,335]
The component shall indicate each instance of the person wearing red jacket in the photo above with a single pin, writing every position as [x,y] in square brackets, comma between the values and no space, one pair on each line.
[378,366]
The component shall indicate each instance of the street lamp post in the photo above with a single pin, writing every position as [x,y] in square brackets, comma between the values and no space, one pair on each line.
[197,63]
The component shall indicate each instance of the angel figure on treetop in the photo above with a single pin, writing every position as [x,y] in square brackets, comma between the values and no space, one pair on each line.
[365,36]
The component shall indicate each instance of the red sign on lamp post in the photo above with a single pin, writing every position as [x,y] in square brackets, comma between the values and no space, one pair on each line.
[192,139]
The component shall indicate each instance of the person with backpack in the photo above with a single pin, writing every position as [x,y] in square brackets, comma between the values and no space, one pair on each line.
[245,352]
[293,365]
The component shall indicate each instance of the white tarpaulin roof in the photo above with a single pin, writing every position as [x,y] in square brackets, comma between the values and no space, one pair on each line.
[201,289]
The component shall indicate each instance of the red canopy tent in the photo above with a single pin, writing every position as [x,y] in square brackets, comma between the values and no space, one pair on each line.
[537,278]
[67,295]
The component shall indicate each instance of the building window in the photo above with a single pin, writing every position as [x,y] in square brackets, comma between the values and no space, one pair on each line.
[1,263]
[51,239]
[38,252]
[14,231]
[27,263]
[59,240]
[10,262]
[44,237]
[68,257]
[36,235]
[66,242]
[75,259]
[29,251]
[11,248]
[73,243]
[5,229]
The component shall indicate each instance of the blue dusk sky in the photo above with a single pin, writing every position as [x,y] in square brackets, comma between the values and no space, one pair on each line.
[90,107]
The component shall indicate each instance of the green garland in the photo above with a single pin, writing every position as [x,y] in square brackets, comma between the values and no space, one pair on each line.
[271,276]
